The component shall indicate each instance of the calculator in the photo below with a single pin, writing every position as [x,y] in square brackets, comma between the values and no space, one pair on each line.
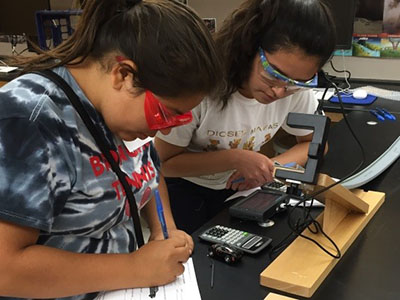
[245,241]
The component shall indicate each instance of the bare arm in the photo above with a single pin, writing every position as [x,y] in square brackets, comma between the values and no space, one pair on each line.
[28,270]
[255,167]
[299,152]
[177,162]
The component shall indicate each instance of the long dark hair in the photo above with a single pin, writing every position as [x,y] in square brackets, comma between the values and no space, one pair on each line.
[273,25]
[171,47]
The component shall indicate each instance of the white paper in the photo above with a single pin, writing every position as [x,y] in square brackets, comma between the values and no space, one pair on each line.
[137,143]
[316,203]
[183,288]
[7,69]
[242,193]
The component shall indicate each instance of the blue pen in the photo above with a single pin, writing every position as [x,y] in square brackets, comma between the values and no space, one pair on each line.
[386,114]
[238,180]
[160,212]
[377,115]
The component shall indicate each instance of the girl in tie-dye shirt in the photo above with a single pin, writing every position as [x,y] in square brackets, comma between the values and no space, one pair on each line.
[65,225]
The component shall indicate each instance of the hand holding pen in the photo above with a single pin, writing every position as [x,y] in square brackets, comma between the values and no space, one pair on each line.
[161,259]
[161,218]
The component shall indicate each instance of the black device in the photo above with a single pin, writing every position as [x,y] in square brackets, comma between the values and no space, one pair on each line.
[258,206]
[320,125]
[343,13]
[225,252]
[242,240]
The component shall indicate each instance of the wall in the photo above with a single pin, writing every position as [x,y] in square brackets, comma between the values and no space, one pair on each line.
[366,68]
[214,8]
[61,4]
[373,68]
[360,67]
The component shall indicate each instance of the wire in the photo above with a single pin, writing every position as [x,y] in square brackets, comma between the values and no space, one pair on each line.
[300,225]
[347,75]
[15,52]
[14,40]
[320,107]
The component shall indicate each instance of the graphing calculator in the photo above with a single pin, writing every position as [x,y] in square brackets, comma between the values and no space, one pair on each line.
[245,241]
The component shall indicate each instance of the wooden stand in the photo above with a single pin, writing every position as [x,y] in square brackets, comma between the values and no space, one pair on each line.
[273,296]
[303,266]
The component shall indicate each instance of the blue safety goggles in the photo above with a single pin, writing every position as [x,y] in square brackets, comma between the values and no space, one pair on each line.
[275,74]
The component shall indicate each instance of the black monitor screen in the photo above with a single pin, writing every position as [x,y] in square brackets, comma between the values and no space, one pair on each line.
[343,12]
[260,201]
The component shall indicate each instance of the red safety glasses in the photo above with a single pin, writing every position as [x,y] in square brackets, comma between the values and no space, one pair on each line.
[159,117]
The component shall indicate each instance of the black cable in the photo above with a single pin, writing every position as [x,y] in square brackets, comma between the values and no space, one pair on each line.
[320,107]
[301,225]
[282,244]
[340,71]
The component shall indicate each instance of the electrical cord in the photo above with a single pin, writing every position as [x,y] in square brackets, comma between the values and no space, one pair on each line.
[340,71]
[320,108]
[347,77]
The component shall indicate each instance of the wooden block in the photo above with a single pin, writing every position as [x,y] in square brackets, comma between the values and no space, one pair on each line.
[334,213]
[273,296]
[302,267]
[335,117]
[340,194]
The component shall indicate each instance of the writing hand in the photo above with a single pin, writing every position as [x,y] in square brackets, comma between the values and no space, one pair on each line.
[158,235]
[160,261]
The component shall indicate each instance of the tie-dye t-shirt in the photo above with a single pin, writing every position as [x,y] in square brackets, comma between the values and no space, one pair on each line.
[53,176]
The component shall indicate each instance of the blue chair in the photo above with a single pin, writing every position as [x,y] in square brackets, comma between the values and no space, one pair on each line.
[56,23]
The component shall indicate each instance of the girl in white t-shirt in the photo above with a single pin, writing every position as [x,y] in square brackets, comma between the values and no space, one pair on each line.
[66,223]
[271,50]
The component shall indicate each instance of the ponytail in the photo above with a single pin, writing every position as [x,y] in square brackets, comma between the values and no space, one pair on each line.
[171,47]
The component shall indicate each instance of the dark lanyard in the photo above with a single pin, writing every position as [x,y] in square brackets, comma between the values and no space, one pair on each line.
[76,103]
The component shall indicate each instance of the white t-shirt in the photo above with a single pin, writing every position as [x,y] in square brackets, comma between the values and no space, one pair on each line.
[244,124]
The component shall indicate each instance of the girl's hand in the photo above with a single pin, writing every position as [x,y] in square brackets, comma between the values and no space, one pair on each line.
[173,232]
[160,261]
[253,168]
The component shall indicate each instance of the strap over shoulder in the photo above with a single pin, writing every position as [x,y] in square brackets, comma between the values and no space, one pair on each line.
[77,104]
